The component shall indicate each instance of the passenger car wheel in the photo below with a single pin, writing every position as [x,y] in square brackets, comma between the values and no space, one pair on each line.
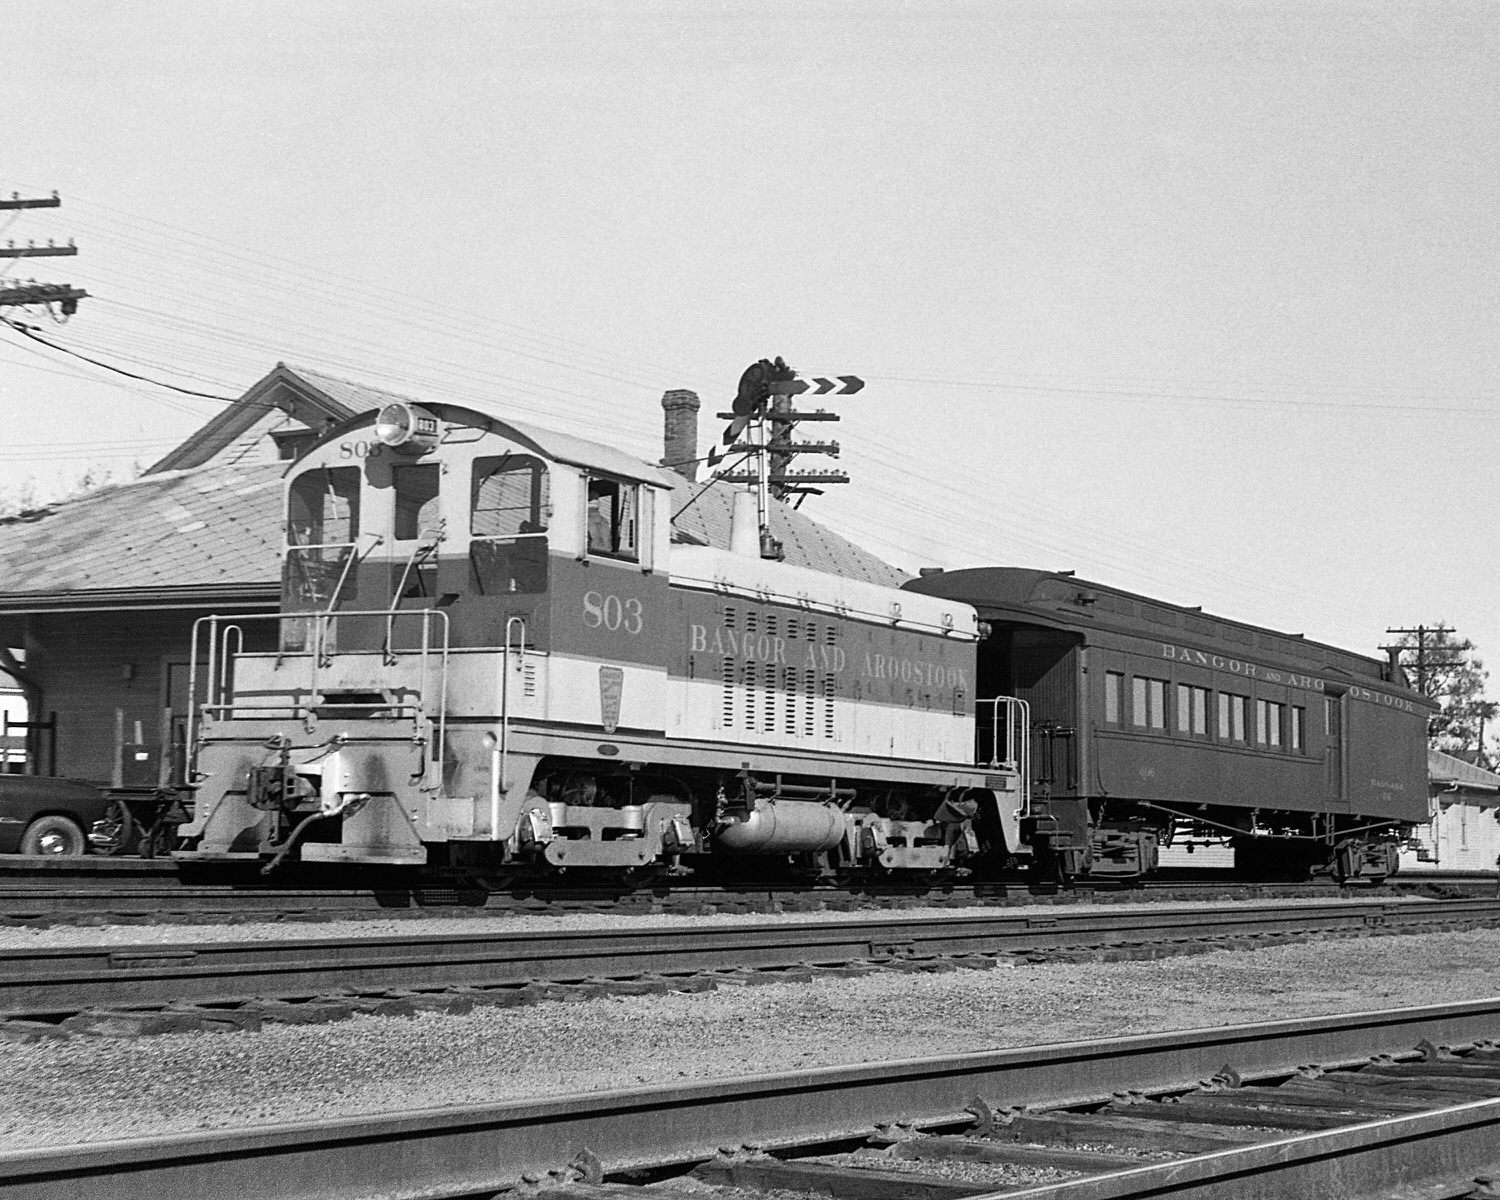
[53,835]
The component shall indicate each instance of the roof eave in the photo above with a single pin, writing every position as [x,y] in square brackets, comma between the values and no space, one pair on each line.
[217,595]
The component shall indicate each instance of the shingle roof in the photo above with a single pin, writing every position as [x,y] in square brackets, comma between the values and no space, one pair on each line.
[215,528]
[356,397]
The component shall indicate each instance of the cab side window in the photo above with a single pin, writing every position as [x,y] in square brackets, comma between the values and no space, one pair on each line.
[613,519]
[509,510]
[510,497]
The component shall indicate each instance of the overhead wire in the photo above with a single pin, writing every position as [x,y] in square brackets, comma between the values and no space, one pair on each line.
[27,331]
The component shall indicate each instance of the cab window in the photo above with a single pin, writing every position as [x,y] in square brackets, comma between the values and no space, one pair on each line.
[613,508]
[509,511]
[416,486]
[323,508]
[322,524]
[509,497]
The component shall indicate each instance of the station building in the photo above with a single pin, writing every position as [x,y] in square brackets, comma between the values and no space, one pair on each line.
[1463,833]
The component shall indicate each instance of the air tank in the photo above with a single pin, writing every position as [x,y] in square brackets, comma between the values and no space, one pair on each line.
[783,827]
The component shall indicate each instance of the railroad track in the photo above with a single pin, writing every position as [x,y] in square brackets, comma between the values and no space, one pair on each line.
[154,988]
[1221,1114]
[97,890]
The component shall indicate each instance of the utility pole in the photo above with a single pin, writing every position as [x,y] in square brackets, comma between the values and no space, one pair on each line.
[16,294]
[1426,667]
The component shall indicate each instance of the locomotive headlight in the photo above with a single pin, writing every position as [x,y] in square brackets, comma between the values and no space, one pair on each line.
[407,428]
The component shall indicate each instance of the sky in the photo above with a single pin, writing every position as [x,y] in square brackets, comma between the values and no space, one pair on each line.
[1195,298]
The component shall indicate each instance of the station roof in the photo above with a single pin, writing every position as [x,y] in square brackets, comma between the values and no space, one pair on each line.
[1458,782]
[203,526]
[210,535]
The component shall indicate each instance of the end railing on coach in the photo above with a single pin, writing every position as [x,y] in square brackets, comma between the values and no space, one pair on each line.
[1008,740]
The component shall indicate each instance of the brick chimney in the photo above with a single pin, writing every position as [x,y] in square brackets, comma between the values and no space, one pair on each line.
[681,436]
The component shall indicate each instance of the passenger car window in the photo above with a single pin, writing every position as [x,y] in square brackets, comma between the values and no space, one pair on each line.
[1114,687]
[1149,703]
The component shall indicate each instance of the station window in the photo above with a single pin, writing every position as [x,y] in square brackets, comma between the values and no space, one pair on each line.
[323,508]
[416,486]
[1114,691]
[612,510]
[1299,729]
[1148,703]
[1232,710]
[1192,709]
[1268,718]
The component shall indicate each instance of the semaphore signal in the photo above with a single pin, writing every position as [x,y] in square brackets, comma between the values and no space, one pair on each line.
[761,422]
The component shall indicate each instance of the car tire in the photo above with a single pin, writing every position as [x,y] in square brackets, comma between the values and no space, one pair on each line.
[53,835]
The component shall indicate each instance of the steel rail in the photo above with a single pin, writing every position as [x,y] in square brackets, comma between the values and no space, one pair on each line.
[467,1150]
[1376,1158]
[46,980]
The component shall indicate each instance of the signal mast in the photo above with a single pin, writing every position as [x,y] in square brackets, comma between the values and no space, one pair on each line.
[760,427]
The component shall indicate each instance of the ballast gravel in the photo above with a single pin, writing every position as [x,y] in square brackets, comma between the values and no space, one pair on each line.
[89,1089]
[101,932]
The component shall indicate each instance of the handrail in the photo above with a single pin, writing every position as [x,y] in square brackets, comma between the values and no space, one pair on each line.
[1017,755]
[515,645]
[426,548]
[218,677]
[224,653]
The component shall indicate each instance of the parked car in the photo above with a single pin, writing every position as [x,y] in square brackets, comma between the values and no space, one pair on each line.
[41,814]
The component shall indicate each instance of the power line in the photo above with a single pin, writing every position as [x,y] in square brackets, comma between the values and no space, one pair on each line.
[28,331]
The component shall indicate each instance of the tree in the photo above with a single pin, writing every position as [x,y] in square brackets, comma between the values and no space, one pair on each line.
[1443,667]
[22,499]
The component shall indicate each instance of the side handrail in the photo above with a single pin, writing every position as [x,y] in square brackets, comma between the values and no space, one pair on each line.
[237,635]
[514,650]
[425,548]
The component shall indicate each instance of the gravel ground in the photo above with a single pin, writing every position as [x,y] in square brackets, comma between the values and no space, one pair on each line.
[990,1175]
[95,1088]
[66,936]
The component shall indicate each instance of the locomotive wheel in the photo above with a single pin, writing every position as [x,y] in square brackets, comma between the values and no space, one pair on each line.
[53,835]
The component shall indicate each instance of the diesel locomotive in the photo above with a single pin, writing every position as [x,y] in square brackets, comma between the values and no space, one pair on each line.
[492,653]
[495,654]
